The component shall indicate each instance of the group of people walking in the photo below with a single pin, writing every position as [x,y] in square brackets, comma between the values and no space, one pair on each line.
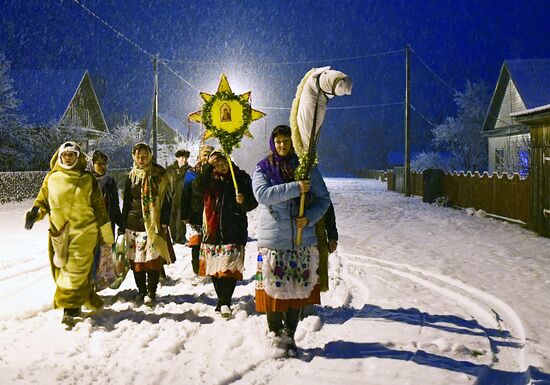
[211,200]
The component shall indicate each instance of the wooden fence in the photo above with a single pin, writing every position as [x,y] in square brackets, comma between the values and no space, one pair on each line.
[496,194]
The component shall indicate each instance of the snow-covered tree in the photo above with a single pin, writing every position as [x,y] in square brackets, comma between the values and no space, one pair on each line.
[14,146]
[118,143]
[461,135]
[430,159]
[45,141]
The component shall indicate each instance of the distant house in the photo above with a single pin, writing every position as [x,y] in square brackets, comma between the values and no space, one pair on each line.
[60,98]
[522,85]
[170,129]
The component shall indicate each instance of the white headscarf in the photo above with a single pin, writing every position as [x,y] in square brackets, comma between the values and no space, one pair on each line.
[68,147]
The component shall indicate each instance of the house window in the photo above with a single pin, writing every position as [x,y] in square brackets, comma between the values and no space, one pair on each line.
[499,158]
[524,156]
[79,117]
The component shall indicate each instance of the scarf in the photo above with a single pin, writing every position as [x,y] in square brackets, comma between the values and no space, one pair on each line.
[153,189]
[279,169]
[213,201]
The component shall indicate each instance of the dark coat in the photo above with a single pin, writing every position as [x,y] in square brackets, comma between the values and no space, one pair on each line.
[191,199]
[109,189]
[177,177]
[233,222]
[131,201]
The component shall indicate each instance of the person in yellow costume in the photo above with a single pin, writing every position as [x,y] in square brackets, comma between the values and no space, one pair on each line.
[72,198]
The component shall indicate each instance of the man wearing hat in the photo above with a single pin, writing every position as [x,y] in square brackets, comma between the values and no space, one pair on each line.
[176,172]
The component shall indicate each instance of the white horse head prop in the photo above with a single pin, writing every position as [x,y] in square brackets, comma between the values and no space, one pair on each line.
[310,104]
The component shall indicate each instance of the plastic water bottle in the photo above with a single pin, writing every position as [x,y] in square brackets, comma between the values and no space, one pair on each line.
[259,268]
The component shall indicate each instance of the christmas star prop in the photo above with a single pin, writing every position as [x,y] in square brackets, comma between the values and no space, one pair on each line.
[226,116]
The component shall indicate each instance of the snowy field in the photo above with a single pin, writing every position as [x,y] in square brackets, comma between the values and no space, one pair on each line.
[419,295]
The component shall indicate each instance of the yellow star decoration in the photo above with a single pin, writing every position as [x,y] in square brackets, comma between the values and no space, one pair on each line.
[225,115]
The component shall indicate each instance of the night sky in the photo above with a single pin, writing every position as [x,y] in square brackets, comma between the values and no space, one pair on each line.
[253,42]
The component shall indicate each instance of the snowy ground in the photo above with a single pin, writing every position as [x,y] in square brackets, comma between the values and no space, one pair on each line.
[420,295]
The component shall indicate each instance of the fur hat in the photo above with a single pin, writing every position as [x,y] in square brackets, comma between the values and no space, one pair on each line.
[182,153]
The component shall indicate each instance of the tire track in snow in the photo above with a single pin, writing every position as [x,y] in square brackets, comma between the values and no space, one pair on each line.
[507,352]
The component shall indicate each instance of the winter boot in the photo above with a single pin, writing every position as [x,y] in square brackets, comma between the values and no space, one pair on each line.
[69,317]
[152,284]
[195,252]
[275,322]
[141,279]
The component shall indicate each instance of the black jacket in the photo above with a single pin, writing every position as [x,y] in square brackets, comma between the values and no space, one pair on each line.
[233,223]
[109,189]
[131,205]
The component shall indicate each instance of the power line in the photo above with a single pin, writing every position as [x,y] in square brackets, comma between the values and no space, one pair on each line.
[336,108]
[119,34]
[365,106]
[434,73]
[133,43]
[458,92]
[285,63]
[422,116]
[179,76]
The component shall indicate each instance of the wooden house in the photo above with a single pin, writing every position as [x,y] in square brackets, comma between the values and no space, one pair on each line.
[60,98]
[538,120]
[522,85]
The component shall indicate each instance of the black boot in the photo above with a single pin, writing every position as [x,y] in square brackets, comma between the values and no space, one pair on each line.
[195,252]
[140,278]
[275,322]
[217,287]
[152,283]
[291,319]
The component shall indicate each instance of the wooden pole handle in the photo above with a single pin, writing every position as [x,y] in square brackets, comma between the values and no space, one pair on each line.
[301,214]
[232,173]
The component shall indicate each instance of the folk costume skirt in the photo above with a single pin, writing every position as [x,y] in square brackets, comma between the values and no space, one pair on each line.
[221,260]
[287,279]
[140,253]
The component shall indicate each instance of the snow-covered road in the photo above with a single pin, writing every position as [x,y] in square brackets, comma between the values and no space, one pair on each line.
[419,295]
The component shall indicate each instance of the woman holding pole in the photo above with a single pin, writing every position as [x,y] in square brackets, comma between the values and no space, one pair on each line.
[287,276]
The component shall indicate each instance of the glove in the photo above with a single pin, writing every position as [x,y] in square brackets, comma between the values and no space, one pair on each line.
[107,233]
[30,217]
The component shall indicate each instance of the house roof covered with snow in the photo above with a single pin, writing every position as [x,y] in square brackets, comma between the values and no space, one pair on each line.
[523,84]
[45,94]
[532,80]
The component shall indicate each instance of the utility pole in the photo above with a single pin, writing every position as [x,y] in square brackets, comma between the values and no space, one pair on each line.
[155,105]
[408,121]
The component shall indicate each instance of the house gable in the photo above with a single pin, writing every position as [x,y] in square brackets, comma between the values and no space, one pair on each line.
[506,100]
[47,97]
[45,94]
[84,110]
[522,85]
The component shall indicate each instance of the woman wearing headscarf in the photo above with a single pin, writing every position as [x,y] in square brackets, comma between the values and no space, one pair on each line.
[225,225]
[287,277]
[71,197]
[145,217]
